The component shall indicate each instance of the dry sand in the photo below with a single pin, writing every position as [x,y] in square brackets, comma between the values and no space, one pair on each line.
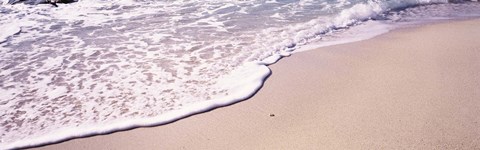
[415,88]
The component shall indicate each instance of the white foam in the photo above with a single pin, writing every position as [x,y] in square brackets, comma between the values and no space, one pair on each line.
[364,31]
[252,73]
[7,30]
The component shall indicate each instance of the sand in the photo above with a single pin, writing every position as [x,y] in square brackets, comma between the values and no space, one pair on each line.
[413,88]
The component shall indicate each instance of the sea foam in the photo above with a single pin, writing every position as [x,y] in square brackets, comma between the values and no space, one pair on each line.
[7,31]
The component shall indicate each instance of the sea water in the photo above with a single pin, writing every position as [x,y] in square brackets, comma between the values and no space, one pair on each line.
[100,66]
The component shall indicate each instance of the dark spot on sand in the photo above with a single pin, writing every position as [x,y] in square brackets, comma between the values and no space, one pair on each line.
[272,115]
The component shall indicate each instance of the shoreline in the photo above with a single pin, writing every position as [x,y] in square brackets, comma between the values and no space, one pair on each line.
[329,116]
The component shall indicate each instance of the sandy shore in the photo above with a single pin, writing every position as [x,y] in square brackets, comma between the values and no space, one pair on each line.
[415,88]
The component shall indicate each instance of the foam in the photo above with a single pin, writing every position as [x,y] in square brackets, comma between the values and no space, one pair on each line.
[364,31]
[253,73]
[8,30]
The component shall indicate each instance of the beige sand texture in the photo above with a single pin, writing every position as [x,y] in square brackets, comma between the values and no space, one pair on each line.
[414,88]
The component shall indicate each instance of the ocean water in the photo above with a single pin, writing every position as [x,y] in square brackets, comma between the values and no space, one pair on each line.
[100,66]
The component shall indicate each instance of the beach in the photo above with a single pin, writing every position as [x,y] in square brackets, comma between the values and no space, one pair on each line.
[412,88]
